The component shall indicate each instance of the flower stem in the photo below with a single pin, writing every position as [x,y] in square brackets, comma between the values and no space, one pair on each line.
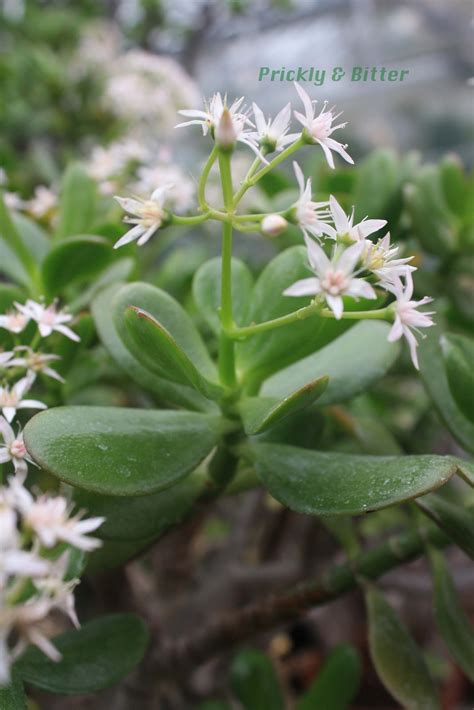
[277,160]
[245,184]
[226,345]
[378,314]
[313,309]
[194,219]
[203,180]
[302,313]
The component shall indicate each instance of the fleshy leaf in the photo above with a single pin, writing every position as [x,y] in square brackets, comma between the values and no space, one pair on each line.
[207,291]
[436,382]
[455,520]
[75,259]
[77,203]
[94,657]
[171,316]
[164,390]
[455,627]
[396,657]
[458,354]
[336,684]
[353,362]
[326,483]
[255,682]
[154,346]
[262,413]
[115,553]
[12,696]
[115,451]
[142,516]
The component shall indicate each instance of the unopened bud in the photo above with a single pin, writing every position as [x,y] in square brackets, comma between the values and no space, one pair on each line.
[225,130]
[273,224]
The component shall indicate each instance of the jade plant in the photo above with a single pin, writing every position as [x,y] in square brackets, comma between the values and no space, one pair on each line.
[235,394]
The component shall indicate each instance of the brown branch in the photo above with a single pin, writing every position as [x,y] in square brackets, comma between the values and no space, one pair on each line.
[231,628]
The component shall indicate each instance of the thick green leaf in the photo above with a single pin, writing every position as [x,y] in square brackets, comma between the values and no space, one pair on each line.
[432,222]
[262,413]
[96,656]
[116,553]
[207,291]
[154,346]
[455,627]
[73,260]
[336,684]
[167,392]
[267,352]
[458,355]
[255,682]
[117,273]
[35,238]
[11,266]
[129,452]
[377,182]
[396,657]
[169,313]
[457,522]
[454,183]
[77,205]
[323,483]
[8,295]
[17,261]
[142,516]
[12,697]
[353,362]
[435,379]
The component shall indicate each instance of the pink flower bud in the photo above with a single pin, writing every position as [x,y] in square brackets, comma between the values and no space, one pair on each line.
[226,135]
[273,225]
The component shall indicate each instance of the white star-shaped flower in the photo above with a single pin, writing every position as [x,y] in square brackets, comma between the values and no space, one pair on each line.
[13,449]
[35,362]
[5,359]
[319,127]
[48,318]
[333,278]
[407,316]
[147,216]
[226,124]
[380,259]
[11,398]
[273,134]
[310,215]
[209,118]
[345,227]
[14,321]
[49,517]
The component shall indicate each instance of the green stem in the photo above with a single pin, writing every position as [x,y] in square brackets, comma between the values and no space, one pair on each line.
[277,160]
[378,314]
[302,313]
[313,309]
[226,346]
[203,180]
[245,184]
[251,178]
[194,219]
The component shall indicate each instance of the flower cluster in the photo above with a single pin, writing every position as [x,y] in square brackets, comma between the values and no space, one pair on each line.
[346,261]
[37,534]
[12,394]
